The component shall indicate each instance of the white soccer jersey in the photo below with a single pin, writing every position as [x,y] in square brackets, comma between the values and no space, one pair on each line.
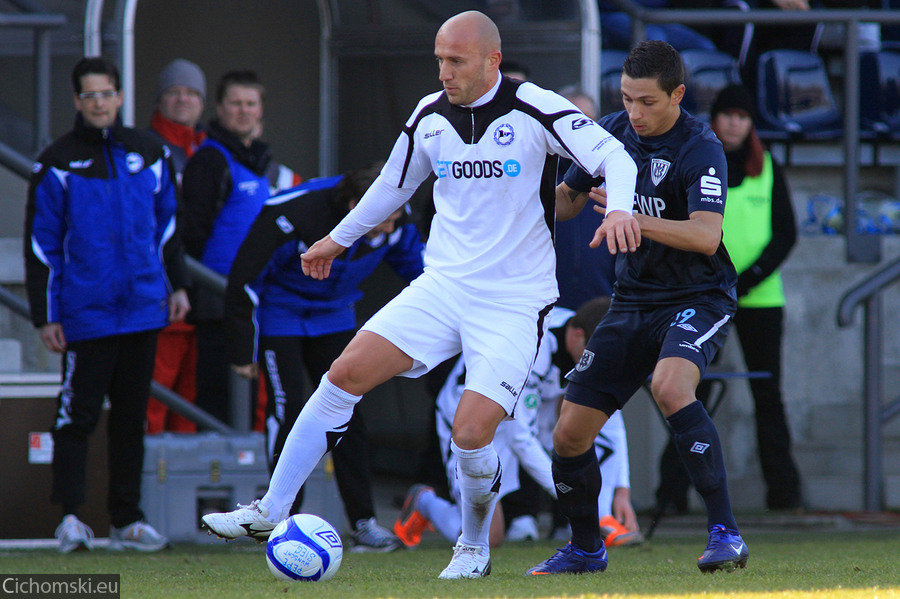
[494,195]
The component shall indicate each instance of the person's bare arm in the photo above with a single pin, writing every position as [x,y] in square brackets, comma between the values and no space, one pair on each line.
[702,232]
[568,202]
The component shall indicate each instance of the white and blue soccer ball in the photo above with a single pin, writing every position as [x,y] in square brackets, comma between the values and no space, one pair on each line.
[304,547]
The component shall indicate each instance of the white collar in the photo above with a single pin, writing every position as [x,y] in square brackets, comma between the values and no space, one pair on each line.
[486,97]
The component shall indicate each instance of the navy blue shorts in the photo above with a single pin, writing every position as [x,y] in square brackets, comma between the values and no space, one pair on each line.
[624,349]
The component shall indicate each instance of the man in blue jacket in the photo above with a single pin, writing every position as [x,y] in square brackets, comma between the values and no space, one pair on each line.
[224,188]
[104,273]
[299,320]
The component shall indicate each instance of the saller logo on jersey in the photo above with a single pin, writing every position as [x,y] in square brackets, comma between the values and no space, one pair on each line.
[587,358]
[658,170]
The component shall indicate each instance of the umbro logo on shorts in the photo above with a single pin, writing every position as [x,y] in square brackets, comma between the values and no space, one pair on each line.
[699,447]
[563,487]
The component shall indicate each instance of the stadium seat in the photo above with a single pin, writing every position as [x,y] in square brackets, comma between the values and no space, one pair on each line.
[794,97]
[879,94]
[706,72]
[610,80]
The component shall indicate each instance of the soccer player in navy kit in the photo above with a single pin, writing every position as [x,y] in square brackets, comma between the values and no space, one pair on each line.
[674,299]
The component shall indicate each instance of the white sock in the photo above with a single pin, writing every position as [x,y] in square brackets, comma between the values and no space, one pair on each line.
[478,474]
[328,411]
[442,514]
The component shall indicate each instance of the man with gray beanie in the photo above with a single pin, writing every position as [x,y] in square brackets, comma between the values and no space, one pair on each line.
[180,95]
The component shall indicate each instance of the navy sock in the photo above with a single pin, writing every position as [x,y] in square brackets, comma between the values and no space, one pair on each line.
[577,481]
[698,445]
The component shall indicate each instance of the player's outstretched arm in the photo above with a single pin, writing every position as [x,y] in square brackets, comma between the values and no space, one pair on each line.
[702,232]
[316,261]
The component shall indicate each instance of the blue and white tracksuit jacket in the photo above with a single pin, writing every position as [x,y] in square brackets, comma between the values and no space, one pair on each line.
[100,225]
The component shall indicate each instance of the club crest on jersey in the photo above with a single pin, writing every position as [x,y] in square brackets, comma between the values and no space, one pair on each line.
[134,162]
[504,134]
[587,358]
[658,170]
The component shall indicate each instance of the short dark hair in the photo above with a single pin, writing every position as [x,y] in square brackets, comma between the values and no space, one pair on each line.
[355,183]
[590,313]
[655,59]
[95,65]
[244,77]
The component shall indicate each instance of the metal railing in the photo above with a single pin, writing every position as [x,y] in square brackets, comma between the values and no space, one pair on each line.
[168,397]
[239,393]
[41,24]
[868,293]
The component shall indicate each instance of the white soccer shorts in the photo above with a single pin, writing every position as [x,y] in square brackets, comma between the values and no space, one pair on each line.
[433,319]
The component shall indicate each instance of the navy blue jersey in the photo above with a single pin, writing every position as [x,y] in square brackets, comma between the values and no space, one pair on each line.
[679,172]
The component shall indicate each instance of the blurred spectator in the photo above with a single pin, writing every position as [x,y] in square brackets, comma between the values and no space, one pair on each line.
[759,236]
[100,220]
[180,97]
[224,187]
[615,29]
[303,324]
[759,231]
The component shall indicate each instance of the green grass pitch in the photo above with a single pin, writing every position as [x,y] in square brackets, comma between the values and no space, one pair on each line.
[782,565]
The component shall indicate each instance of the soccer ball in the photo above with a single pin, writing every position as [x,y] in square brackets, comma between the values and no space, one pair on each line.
[304,547]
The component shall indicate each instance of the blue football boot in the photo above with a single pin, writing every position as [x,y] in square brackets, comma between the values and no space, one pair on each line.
[570,560]
[726,550]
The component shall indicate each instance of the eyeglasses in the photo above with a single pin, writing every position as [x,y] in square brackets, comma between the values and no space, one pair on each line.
[97,96]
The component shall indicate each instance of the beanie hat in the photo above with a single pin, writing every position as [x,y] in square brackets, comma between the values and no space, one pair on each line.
[732,97]
[181,72]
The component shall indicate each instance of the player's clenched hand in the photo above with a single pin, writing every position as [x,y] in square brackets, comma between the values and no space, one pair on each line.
[316,261]
[622,232]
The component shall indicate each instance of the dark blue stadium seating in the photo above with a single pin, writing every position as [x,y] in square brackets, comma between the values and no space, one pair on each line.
[706,72]
[879,94]
[794,97]
[610,80]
